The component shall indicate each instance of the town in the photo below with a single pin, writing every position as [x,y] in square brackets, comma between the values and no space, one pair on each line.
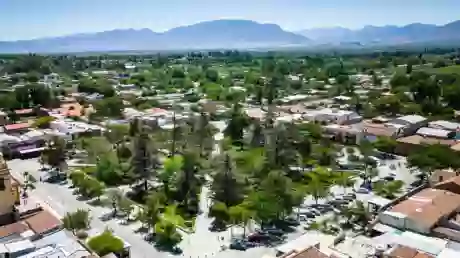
[230,153]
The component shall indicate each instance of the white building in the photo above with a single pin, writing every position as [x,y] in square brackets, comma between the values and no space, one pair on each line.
[332,115]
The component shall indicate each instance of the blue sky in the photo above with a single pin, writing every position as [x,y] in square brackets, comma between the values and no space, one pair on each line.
[25,19]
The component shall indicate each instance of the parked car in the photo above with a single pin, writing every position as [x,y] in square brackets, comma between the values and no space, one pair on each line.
[239,244]
[273,231]
[363,190]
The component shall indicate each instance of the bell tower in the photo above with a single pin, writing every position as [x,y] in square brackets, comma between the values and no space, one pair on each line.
[8,193]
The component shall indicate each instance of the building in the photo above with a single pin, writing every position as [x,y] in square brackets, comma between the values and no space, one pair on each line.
[451,184]
[445,125]
[410,123]
[8,194]
[332,115]
[412,143]
[372,129]
[422,211]
[440,175]
[401,251]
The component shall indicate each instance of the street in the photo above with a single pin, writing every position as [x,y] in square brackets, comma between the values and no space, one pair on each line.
[60,200]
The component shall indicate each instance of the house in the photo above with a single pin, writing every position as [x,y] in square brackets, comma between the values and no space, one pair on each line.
[406,145]
[445,125]
[52,77]
[422,211]
[410,123]
[294,98]
[401,251]
[374,128]
[16,128]
[452,184]
[343,133]
[332,115]
[440,175]
[436,133]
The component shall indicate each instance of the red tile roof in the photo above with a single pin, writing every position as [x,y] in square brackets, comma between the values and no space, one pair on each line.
[311,252]
[17,126]
[428,206]
[407,252]
[13,228]
[43,222]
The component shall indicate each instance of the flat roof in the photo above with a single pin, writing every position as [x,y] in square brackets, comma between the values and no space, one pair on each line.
[19,246]
[301,243]
[379,200]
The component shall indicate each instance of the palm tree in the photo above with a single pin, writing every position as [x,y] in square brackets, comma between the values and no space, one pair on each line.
[344,180]
[389,190]
[318,186]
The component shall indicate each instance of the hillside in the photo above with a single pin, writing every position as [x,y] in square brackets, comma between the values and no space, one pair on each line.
[211,34]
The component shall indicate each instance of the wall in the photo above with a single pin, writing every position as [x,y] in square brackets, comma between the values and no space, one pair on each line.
[7,196]
[390,219]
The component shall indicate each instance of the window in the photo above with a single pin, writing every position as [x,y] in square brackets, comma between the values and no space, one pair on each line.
[440,179]
[2,184]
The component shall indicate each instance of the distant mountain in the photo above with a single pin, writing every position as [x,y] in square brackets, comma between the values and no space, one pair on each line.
[412,33]
[210,34]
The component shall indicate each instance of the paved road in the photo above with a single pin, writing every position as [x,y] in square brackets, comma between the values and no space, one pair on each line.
[61,200]
[203,243]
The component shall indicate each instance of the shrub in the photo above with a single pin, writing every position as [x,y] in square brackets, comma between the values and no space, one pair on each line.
[106,243]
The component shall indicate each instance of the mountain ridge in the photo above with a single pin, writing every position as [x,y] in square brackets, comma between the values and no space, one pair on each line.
[388,34]
[234,33]
[225,33]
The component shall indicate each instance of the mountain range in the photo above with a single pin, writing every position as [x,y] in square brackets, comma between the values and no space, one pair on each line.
[204,35]
[412,33]
[233,34]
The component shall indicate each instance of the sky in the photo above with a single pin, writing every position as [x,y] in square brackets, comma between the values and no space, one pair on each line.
[28,19]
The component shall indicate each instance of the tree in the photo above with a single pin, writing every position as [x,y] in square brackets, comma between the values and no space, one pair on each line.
[76,220]
[318,185]
[388,189]
[116,132]
[219,211]
[108,171]
[225,186]
[55,153]
[109,107]
[274,199]
[106,243]
[235,128]
[240,215]
[432,157]
[166,234]
[171,166]
[95,188]
[188,184]
[77,177]
[143,162]
[344,180]
[43,122]
[388,104]
[385,144]
[152,212]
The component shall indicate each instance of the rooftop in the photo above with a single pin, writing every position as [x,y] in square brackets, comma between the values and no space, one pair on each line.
[428,206]
[446,125]
[410,119]
[418,139]
[17,126]
[401,251]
